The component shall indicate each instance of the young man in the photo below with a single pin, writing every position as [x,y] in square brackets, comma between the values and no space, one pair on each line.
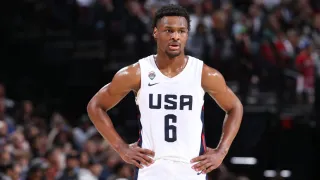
[169,88]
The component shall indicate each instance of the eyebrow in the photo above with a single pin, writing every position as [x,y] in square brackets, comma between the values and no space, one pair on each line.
[173,27]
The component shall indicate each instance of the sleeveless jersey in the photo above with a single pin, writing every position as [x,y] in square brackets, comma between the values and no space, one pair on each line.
[171,111]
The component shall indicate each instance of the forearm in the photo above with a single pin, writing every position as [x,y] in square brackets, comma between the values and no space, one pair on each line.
[104,125]
[230,128]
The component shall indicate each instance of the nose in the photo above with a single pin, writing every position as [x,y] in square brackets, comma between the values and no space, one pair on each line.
[175,36]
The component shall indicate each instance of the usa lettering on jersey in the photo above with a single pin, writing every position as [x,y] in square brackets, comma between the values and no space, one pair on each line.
[170,102]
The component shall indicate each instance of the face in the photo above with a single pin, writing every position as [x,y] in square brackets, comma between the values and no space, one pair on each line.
[293,37]
[84,158]
[18,140]
[171,35]
[2,106]
[54,157]
[15,173]
[72,163]
[2,91]
[5,157]
[90,147]
[27,106]
[317,22]
[96,169]
[3,128]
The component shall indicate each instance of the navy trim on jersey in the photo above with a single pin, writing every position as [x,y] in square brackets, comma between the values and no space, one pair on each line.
[203,142]
[136,171]
[203,146]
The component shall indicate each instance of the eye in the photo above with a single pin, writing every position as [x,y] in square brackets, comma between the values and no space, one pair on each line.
[168,31]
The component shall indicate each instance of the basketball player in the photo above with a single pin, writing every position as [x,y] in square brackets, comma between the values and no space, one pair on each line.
[169,88]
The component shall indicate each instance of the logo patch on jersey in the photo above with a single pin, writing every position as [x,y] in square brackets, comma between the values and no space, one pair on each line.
[152,84]
[152,75]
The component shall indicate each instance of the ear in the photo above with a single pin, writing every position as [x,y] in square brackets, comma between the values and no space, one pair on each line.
[155,33]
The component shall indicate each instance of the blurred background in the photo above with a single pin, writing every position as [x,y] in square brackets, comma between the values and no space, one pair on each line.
[55,54]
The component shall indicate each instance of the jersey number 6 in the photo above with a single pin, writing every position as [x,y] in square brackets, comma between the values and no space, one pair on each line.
[168,128]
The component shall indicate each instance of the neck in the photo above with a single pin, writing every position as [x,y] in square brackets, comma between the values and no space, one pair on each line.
[165,62]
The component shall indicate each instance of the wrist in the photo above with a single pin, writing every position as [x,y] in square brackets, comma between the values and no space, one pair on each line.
[119,147]
[222,150]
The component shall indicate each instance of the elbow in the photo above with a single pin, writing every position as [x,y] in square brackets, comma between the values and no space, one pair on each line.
[94,107]
[91,106]
[239,105]
[236,108]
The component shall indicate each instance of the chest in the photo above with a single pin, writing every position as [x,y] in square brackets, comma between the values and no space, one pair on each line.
[170,96]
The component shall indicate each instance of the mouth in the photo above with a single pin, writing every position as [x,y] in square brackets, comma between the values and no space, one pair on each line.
[174,46]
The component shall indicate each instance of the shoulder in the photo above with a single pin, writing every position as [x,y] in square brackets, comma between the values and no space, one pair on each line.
[212,78]
[209,71]
[130,71]
[128,77]
[134,69]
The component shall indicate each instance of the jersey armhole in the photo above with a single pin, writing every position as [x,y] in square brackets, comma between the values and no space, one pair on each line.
[142,71]
[200,69]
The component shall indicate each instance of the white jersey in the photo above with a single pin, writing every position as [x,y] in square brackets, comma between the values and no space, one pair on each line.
[171,111]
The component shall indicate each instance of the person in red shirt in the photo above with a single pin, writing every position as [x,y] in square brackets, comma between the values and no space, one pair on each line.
[306,67]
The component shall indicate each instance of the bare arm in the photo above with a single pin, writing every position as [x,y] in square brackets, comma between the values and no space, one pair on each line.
[214,84]
[124,81]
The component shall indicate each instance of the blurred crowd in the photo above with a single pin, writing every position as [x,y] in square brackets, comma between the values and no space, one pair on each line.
[251,42]
[35,145]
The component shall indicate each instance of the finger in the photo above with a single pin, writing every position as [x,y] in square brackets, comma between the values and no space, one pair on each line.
[141,160]
[199,164]
[209,169]
[204,167]
[146,158]
[199,158]
[147,152]
[134,162]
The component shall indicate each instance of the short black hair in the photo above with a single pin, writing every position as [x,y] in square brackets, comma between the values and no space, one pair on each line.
[171,10]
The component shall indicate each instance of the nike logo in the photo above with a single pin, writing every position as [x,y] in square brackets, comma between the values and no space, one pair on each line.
[152,84]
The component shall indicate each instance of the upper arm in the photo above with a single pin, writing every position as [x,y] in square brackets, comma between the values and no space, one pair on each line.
[125,80]
[215,85]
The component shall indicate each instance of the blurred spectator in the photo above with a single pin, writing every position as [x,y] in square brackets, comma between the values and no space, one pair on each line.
[5,155]
[10,171]
[121,171]
[4,116]
[9,103]
[24,114]
[198,16]
[3,132]
[23,160]
[71,171]
[84,131]
[153,5]
[306,66]
[199,43]
[55,162]
[37,170]
[92,172]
